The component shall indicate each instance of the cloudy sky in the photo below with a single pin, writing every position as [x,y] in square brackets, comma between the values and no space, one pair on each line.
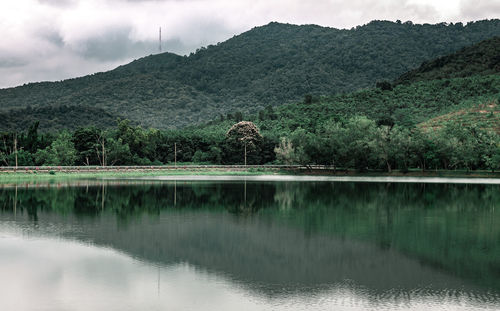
[47,40]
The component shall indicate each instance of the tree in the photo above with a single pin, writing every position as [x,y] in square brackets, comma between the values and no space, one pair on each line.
[361,144]
[243,143]
[31,142]
[385,148]
[117,152]
[61,152]
[302,141]
[285,152]
[404,144]
[336,143]
[86,141]
[492,159]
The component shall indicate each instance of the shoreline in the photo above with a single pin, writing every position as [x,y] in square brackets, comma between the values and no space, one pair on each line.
[250,174]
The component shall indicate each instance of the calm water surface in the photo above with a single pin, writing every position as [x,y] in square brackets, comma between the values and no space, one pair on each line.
[249,245]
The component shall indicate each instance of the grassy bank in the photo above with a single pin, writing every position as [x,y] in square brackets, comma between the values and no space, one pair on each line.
[22,177]
[32,177]
[397,173]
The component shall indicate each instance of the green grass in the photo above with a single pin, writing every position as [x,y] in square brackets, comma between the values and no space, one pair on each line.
[34,178]
[22,177]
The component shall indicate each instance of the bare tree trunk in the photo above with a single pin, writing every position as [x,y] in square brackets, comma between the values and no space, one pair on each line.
[15,148]
[102,158]
[5,148]
[103,153]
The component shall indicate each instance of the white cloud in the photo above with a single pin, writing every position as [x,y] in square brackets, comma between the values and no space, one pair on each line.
[56,39]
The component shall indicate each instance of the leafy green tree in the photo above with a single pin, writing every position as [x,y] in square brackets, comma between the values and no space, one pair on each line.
[303,144]
[492,160]
[337,143]
[361,146]
[385,146]
[404,146]
[86,141]
[24,158]
[61,152]
[491,155]
[118,153]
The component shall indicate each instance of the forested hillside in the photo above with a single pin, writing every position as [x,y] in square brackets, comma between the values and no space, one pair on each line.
[479,59]
[57,118]
[403,105]
[445,124]
[270,65]
[485,115]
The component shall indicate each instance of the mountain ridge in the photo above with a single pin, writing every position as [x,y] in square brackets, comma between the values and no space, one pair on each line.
[273,65]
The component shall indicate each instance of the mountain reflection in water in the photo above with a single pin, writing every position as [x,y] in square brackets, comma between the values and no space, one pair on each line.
[388,243]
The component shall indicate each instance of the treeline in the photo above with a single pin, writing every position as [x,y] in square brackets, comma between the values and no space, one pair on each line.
[354,143]
[127,144]
[359,143]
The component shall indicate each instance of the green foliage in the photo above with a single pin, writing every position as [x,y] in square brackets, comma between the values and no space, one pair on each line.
[61,152]
[285,152]
[405,105]
[269,65]
[480,59]
[51,118]
[24,158]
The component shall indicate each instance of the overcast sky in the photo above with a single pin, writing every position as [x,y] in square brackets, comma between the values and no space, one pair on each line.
[57,39]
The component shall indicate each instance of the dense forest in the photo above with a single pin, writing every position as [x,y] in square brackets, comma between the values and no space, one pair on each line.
[304,133]
[56,118]
[271,65]
[479,59]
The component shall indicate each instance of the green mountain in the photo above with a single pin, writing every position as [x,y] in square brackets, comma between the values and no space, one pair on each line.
[463,87]
[270,65]
[479,59]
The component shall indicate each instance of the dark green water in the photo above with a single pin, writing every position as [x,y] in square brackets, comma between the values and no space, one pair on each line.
[193,245]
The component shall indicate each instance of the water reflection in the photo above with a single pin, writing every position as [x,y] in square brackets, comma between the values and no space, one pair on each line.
[285,245]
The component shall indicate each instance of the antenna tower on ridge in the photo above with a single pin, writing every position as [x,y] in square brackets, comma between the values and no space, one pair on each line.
[160,41]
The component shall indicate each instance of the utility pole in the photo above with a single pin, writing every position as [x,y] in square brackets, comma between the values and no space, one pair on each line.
[175,154]
[245,153]
[15,147]
[160,41]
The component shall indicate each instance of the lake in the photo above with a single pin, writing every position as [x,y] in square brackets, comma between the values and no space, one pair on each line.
[249,244]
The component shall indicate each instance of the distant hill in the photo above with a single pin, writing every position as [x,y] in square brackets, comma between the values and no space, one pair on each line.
[482,58]
[270,65]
